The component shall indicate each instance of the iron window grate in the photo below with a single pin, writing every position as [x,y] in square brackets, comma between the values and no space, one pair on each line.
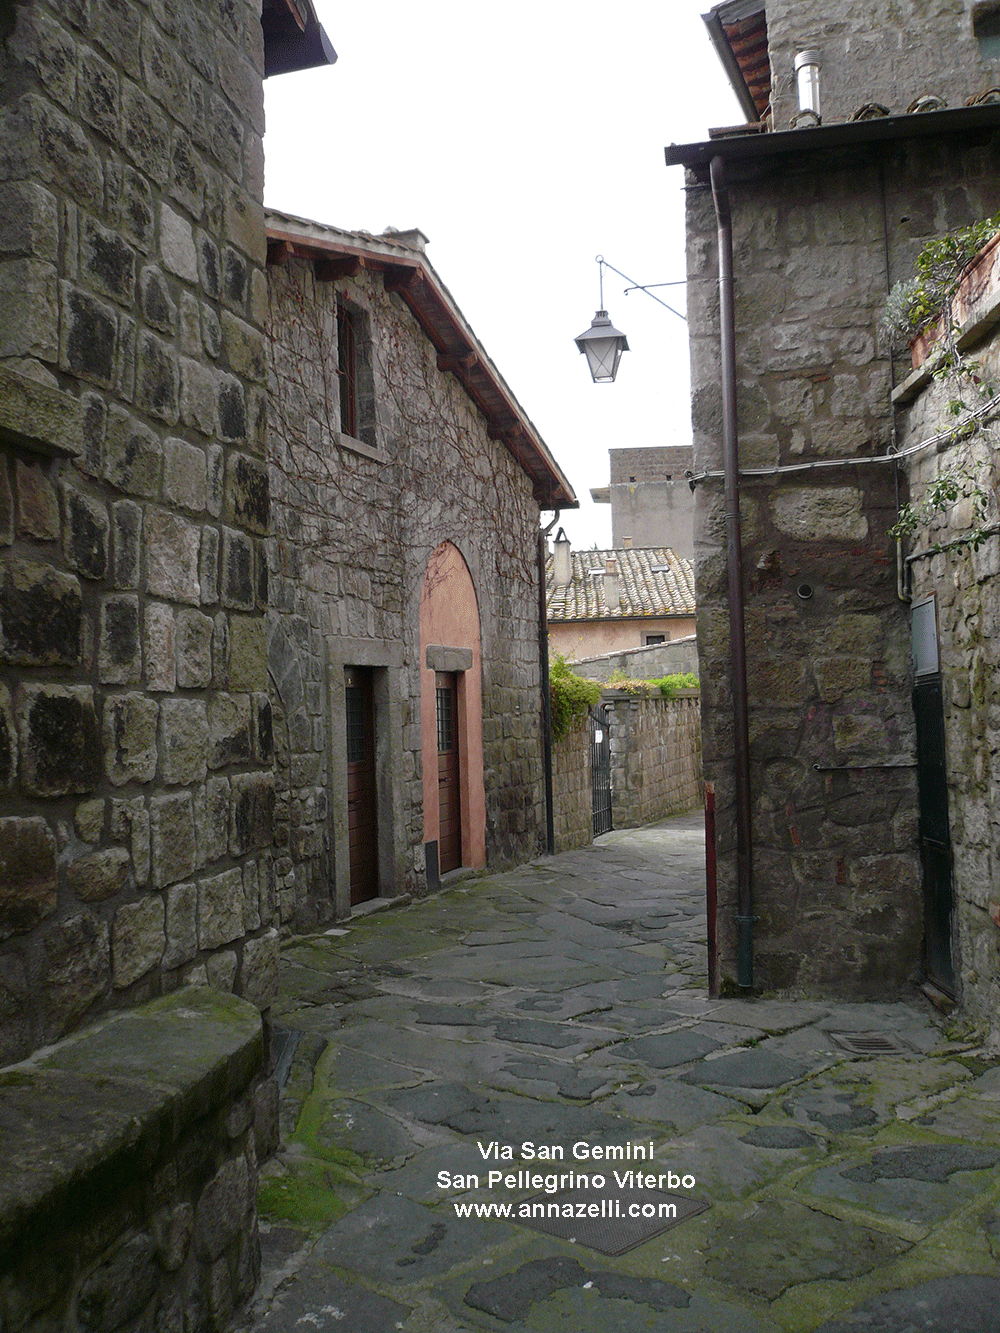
[871,1043]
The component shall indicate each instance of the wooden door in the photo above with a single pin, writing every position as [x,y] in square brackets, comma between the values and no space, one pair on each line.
[449,797]
[362,784]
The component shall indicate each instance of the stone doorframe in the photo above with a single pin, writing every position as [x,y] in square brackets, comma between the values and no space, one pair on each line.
[385,657]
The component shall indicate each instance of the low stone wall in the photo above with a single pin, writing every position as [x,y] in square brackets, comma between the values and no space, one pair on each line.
[655,756]
[129,1171]
[655,766]
[649,663]
[572,799]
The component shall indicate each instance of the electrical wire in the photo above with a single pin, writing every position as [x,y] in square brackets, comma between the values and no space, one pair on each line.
[941,437]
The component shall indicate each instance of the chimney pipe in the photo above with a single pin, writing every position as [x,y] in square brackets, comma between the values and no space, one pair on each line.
[807,67]
[612,589]
[562,560]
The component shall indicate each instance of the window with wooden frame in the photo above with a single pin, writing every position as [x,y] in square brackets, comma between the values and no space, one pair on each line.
[347,368]
[354,373]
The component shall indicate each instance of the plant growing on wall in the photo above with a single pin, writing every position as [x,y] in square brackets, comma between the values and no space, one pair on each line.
[572,697]
[910,307]
[917,301]
[667,686]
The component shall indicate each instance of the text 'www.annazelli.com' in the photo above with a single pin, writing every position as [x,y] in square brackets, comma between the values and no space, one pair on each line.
[544,1208]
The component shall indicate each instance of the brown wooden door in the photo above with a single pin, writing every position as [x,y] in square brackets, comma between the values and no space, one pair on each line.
[449,801]
[362,785]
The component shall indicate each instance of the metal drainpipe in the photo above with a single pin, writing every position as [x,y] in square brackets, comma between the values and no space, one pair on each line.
[543,672]
[734,567]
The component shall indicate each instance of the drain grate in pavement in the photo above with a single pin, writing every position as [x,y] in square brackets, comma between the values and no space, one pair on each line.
[604,1221]
[871,1043]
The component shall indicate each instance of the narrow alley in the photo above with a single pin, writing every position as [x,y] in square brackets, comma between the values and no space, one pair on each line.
[514,1106]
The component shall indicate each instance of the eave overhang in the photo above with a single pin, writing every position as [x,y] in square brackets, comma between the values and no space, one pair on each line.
[294,38]
[748,154]
[738,31]
[406,272]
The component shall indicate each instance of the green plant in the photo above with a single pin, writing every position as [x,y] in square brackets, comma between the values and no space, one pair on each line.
[910,306]
[947,488]
[914,303]
[668,686]
[571,697]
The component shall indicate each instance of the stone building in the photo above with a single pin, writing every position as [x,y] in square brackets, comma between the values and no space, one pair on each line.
[406,484]
[824,219]
[136,752]
[955,596]
[650,497]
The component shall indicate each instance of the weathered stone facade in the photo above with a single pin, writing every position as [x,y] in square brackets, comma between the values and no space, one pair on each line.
[357,519]
[821,230]
[135,807]
[655,756]
[655,766]
[879,51]
[650,498]
[572,794]
[965,586]
[136,1211]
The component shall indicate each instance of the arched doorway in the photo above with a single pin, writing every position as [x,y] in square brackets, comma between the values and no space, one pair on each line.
[451,716]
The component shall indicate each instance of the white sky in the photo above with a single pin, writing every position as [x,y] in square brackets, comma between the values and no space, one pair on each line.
[523,139]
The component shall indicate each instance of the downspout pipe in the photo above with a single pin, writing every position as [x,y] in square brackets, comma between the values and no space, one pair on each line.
[734,570]
[543,673]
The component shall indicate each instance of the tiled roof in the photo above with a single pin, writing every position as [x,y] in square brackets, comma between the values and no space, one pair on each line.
[652,581]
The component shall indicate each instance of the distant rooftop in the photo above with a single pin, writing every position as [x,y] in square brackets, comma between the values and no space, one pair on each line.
[653,582]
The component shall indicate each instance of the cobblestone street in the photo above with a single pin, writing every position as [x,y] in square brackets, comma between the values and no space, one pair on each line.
[564,1005]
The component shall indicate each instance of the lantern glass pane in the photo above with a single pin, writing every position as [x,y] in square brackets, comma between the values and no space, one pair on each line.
[603,355]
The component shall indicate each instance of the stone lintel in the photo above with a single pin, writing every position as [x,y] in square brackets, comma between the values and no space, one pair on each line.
[441,658]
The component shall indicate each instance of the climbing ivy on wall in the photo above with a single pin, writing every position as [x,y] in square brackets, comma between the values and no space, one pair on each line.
[571,697]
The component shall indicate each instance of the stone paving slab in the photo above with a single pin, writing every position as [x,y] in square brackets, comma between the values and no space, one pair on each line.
[537,1023]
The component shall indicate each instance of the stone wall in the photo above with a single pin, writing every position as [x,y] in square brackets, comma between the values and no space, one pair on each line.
[966,586]
[877,51]
[655,756]
[836,870]
[135,734]
[658,659]
[137,1210]
[655,766]
[572,793]
[356,521]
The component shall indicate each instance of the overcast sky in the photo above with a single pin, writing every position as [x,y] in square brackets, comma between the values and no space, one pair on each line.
[523,139]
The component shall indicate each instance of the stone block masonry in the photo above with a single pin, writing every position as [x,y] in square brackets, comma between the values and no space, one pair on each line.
[355,523]
[136,797]
[965,586]
[655,766]
[136,1211]
[837,873]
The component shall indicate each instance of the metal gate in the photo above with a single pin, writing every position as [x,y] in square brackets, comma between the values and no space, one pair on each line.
[600,768]
[932,785]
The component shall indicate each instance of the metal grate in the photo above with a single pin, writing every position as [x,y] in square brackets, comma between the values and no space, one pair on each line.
[445,720]
[600,769]
[356,746]
[615,1233]
[871,1043]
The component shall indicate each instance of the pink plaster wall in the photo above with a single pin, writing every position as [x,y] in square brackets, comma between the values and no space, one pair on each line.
[449,615]
[593,637]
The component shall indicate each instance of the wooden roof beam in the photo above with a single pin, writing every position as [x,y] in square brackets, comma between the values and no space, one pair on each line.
[279,252]
[332,267]
[457,361]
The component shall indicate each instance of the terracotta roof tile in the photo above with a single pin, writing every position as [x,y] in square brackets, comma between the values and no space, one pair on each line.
[653,581]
